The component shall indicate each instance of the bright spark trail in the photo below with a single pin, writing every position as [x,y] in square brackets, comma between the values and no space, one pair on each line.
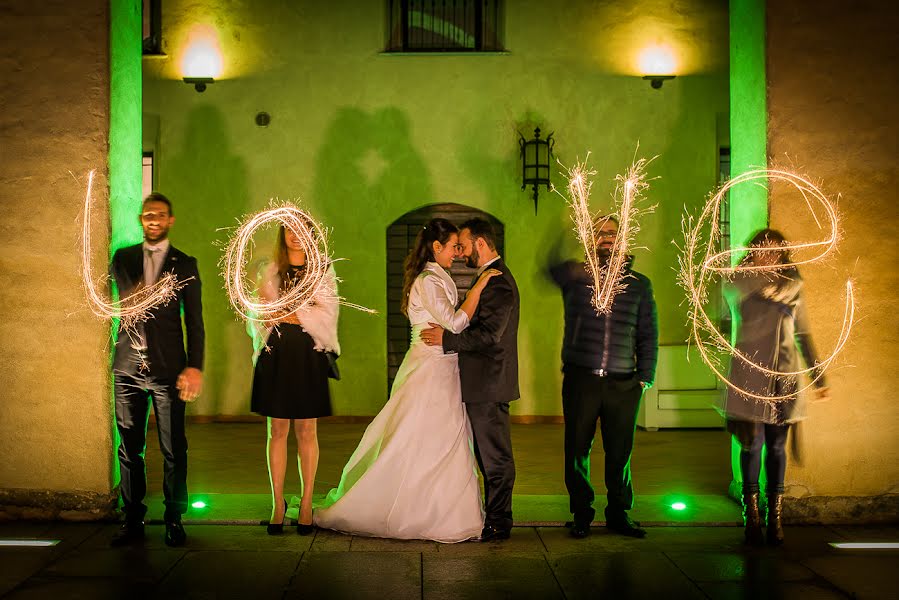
[699,261]
[316,285]
[608,277]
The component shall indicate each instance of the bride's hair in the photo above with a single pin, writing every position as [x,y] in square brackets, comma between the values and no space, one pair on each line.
[436,230]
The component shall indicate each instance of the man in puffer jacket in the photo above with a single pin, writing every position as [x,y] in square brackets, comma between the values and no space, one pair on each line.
[608,361]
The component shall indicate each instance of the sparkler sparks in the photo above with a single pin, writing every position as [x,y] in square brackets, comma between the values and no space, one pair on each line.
[133,308]
[316,285]
[699,262]
[608,276]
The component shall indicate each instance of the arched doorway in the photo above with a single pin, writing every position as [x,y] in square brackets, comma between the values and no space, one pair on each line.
[401,236]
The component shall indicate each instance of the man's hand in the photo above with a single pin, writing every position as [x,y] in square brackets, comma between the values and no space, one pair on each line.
[190,384]
[433,336]
[645,385]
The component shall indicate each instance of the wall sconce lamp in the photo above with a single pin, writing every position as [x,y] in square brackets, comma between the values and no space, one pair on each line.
[656,80]
[199,83]
[535,161]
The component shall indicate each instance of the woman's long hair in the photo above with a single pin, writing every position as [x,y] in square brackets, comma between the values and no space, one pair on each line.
[436,230]
[765,237]
[281,258]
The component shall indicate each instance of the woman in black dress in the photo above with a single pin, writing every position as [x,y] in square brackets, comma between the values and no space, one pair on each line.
[290,381]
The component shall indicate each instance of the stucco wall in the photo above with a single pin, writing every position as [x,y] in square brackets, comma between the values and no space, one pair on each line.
[364,137]
[55,408]
[831,96]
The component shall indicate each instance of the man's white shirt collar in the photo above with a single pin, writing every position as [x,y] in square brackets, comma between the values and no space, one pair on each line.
[163,245]
[485,265]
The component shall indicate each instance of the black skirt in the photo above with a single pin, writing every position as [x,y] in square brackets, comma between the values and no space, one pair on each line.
[291,378]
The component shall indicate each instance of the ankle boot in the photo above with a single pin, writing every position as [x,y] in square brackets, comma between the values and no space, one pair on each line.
[752,519]
[775,520]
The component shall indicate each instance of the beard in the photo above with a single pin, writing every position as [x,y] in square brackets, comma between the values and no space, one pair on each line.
[604,254]
[153,237]
[472,260]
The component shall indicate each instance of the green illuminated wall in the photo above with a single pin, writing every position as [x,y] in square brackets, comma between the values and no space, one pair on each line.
[748,116]
[748,134]
[125,99]
[364,138]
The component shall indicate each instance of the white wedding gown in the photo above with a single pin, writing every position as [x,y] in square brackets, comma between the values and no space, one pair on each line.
[413,475]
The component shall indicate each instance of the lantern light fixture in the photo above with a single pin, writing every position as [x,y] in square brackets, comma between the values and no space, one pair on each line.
[536,154]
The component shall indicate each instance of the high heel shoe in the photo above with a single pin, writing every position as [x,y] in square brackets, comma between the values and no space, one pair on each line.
[303,529]
[277,528]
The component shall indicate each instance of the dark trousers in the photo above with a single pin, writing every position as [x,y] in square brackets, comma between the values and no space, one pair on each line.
[133,393]
[493,450]
[753,437]
[614,402]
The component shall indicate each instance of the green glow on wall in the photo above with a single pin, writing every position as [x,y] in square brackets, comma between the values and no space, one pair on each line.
[679,506]
[125,157]
[125,52]
[749,139]
[198,504]
[748,116]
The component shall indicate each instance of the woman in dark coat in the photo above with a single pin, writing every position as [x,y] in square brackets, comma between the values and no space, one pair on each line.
[762,402]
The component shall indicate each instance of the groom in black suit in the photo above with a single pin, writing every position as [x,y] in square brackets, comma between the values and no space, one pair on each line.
[151,366]
[488,367]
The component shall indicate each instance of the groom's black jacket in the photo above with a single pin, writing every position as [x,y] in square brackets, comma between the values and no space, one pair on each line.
[488,347]
[165,341]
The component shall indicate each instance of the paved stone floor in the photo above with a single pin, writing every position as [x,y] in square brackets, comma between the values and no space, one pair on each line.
[234,561]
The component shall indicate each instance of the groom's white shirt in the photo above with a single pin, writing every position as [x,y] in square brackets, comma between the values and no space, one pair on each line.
[488,263]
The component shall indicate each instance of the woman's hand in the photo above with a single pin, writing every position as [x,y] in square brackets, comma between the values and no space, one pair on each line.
[486,275]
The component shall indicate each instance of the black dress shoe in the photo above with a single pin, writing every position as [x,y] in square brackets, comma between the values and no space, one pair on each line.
[492,533]
[624,525]
[174,534]
[579,530]
[130,532]
[303,529]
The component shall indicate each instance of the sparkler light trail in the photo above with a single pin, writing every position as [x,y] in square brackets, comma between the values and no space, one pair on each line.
[315,285]
[608,277]
[133,308]
[699,262]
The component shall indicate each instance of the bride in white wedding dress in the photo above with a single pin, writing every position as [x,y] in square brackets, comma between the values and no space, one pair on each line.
[413,474]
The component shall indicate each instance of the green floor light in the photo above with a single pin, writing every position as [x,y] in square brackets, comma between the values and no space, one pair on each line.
[679,506]
[199,504]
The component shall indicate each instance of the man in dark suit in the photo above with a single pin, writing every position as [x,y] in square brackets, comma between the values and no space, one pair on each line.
[151,366]
[608,361]
[488,367]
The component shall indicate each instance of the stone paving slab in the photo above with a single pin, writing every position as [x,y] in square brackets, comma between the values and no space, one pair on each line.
[81,588]
[862,574]
[362,575]
[714,566]
[488,576]
[230,574]
[772,590]
[622,575]
[136,563]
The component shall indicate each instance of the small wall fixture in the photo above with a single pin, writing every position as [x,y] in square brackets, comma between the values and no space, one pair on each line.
[656,80]
[199,83]
[535,161]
